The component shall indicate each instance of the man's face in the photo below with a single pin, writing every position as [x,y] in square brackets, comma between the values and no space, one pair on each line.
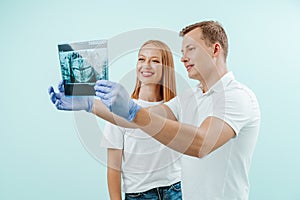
[196,55]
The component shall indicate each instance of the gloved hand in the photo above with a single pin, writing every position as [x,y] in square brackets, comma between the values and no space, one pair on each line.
[116,99]
[74,103]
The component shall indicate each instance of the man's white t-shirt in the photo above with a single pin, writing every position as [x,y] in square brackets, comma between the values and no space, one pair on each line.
[223,174]
[146,163]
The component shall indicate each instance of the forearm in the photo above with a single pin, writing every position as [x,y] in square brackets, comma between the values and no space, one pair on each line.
[114,183]
[180,137]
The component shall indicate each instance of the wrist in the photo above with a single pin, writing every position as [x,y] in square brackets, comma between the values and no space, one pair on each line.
[142,118]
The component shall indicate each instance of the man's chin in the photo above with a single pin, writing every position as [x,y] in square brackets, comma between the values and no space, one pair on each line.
[190,75]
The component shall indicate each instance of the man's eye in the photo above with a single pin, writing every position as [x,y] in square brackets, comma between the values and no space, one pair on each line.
[191,48]
[141,59]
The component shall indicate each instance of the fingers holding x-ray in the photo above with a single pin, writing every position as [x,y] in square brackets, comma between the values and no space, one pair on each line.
[63,102]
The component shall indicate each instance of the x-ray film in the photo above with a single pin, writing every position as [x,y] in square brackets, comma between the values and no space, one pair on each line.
[82,64]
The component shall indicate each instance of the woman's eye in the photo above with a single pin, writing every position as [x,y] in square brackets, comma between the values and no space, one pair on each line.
[156,61]
[191,48]
[141,59]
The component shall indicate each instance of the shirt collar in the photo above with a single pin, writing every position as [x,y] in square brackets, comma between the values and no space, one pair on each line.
[220,84]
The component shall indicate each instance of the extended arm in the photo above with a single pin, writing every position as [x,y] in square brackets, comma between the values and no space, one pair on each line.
[191,140]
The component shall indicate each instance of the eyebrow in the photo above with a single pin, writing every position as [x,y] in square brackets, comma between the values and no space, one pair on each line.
[150,57]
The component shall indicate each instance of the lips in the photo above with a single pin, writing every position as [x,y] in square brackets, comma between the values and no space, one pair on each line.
[188,67]
[147,74]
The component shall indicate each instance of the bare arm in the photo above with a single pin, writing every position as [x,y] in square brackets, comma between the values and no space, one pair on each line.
[187,139]
[191,140]
[160,123]
[114,161]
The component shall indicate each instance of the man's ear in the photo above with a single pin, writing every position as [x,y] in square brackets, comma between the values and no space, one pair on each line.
[217,49]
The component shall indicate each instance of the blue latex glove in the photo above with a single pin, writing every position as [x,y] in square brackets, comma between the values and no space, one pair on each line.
[116,99]
[75,103]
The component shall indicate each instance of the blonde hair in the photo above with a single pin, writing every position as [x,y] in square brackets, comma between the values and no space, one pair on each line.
[168,85]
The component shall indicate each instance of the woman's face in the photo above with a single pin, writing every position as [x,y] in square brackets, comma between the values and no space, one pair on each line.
[149,65]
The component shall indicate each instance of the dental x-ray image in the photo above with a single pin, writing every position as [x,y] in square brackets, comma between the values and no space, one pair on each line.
[82,64]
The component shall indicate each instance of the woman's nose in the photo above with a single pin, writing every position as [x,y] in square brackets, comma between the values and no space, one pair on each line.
[146,65]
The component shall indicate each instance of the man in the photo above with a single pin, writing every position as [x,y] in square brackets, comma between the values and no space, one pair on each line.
[215,124]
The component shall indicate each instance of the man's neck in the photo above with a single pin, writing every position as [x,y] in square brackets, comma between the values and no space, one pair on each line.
[213,78]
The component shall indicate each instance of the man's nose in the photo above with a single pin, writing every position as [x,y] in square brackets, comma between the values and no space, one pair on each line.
[184,59]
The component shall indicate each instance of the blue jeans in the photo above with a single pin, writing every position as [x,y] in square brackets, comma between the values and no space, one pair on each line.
[172,192]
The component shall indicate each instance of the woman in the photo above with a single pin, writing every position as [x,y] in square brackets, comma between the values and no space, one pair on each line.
[149,169]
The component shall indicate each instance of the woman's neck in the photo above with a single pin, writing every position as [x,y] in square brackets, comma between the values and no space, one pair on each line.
[150,92]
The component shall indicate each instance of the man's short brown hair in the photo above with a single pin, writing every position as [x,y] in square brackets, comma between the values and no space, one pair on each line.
[212,32]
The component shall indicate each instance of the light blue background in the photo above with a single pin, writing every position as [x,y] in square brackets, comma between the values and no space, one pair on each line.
[41,156]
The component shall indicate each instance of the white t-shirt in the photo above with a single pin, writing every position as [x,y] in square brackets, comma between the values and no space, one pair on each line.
[223,174]
[146,163]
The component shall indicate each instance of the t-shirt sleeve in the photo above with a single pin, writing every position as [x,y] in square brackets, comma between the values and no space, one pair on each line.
[113,136]
[235,109]
[173,104]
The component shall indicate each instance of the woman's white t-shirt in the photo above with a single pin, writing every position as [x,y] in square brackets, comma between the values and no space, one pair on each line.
[146,163]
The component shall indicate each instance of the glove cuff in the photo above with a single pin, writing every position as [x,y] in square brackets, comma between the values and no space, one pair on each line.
[134,108]
[90,103]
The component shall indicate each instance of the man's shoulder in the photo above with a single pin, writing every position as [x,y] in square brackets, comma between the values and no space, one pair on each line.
[239,90]
[241,98]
